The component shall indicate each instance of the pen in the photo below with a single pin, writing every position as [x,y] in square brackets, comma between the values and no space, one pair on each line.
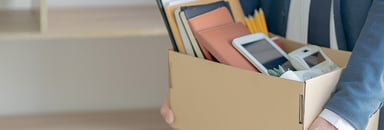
[258,22]
[255,22]
[249,25]
[255,25]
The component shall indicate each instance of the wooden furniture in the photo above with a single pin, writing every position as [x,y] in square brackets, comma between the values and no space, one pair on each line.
[31,20]
[122,120]
[41,21]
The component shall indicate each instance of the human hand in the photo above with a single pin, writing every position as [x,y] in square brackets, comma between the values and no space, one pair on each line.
[167,113]
[321,124]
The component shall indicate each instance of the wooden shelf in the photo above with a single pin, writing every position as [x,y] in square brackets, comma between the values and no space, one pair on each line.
[30,20]
[112,21]
[126,120]
[108,20]
[18,21]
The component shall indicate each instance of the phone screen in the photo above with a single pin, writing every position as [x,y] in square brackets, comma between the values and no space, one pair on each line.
[267,55]
[314,59]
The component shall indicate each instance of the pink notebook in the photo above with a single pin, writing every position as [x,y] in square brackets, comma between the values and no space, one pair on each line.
[214,18]
[218,41]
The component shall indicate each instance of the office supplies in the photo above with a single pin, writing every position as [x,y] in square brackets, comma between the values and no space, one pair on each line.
[218,40]
[196,10]
[214,18]
[217,17]
[192,40]
[190,12]
[183,33]
[257,22]
[311,57]
[249,24]
[169,15]
[262,52]
[263,21]
[254,22]
[168,7]
[177,2]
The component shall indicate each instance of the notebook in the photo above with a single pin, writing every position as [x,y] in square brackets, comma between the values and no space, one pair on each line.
[169,12]
[218,17]
[196,47]
[183,33]
[196,10]
[184,13]
[218,41]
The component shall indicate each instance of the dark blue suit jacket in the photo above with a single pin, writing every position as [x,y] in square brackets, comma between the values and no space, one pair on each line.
[360,29]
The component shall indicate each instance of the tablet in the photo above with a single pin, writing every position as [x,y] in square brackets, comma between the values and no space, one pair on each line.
[262,52]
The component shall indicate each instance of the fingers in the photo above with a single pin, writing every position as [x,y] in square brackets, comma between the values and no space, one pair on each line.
[167,113]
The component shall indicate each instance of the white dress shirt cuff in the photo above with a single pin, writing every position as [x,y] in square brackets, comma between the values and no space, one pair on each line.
[336,120]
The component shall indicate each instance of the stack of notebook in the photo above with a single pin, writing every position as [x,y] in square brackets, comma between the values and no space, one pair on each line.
[206,28]
[193,19]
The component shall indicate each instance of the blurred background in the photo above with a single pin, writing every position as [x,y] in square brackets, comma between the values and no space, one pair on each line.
[89,56]
[74,3]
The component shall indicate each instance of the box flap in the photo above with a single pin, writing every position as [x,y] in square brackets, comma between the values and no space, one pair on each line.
[373,123]
[340,58]
[317,93]
[211,96]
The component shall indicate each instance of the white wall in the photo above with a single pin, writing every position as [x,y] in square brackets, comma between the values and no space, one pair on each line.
[76,75]
[73,3]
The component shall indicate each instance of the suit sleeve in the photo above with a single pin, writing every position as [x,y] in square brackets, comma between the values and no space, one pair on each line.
[360,91]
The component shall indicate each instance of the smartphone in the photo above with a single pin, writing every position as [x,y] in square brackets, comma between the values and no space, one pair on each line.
[262,52]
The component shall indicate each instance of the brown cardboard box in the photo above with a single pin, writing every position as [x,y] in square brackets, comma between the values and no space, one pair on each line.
[205,95]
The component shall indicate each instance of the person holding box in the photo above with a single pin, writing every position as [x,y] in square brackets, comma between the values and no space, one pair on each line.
[352,25]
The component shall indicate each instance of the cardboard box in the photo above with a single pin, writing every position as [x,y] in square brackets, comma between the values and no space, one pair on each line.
[206,95]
